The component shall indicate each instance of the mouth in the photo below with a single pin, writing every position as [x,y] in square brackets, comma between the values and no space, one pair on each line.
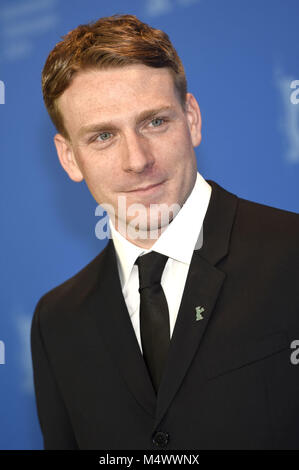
[147,189]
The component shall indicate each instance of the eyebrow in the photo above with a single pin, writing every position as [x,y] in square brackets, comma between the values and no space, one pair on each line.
[109,125]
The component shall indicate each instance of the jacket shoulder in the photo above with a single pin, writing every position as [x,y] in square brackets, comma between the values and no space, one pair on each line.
[254,219]
[266,220]
[74,291]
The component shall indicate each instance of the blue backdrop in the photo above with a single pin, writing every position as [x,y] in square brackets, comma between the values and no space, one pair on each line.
[241,61]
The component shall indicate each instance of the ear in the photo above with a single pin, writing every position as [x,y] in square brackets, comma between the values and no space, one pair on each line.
[67,159]
[194,119]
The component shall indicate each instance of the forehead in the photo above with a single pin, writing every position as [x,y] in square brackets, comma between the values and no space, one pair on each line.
[116,92]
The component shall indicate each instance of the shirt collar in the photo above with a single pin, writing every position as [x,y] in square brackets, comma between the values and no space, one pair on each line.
[178,240]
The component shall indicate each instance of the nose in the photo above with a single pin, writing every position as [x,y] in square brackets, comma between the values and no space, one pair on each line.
[136,154]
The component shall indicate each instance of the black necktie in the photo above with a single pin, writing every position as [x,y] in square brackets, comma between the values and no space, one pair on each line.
[154,315]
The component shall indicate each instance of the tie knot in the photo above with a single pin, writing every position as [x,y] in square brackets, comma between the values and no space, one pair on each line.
[150,268]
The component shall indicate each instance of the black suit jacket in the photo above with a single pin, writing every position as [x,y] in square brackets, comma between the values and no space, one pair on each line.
[229,382]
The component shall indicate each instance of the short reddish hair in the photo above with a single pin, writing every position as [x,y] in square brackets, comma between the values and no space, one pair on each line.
[113,41]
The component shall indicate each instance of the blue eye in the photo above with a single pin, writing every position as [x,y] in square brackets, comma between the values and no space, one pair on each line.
[159,120]
[105,134]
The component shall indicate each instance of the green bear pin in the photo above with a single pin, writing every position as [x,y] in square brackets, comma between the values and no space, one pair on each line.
[199,311]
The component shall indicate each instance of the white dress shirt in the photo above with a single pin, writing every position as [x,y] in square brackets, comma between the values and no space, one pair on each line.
[178,241]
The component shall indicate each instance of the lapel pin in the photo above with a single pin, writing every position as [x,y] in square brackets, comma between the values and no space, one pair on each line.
[199,311]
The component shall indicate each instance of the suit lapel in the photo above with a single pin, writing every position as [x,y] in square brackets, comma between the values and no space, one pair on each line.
[203,285]
[108,307]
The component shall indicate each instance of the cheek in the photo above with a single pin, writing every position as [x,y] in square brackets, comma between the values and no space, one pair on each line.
[165,148]
[179,141]
[94,169]
[178,151]
[95,177]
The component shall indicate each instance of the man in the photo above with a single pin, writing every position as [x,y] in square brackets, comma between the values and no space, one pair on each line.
[178,334]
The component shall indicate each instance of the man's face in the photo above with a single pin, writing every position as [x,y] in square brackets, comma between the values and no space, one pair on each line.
[127,130]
